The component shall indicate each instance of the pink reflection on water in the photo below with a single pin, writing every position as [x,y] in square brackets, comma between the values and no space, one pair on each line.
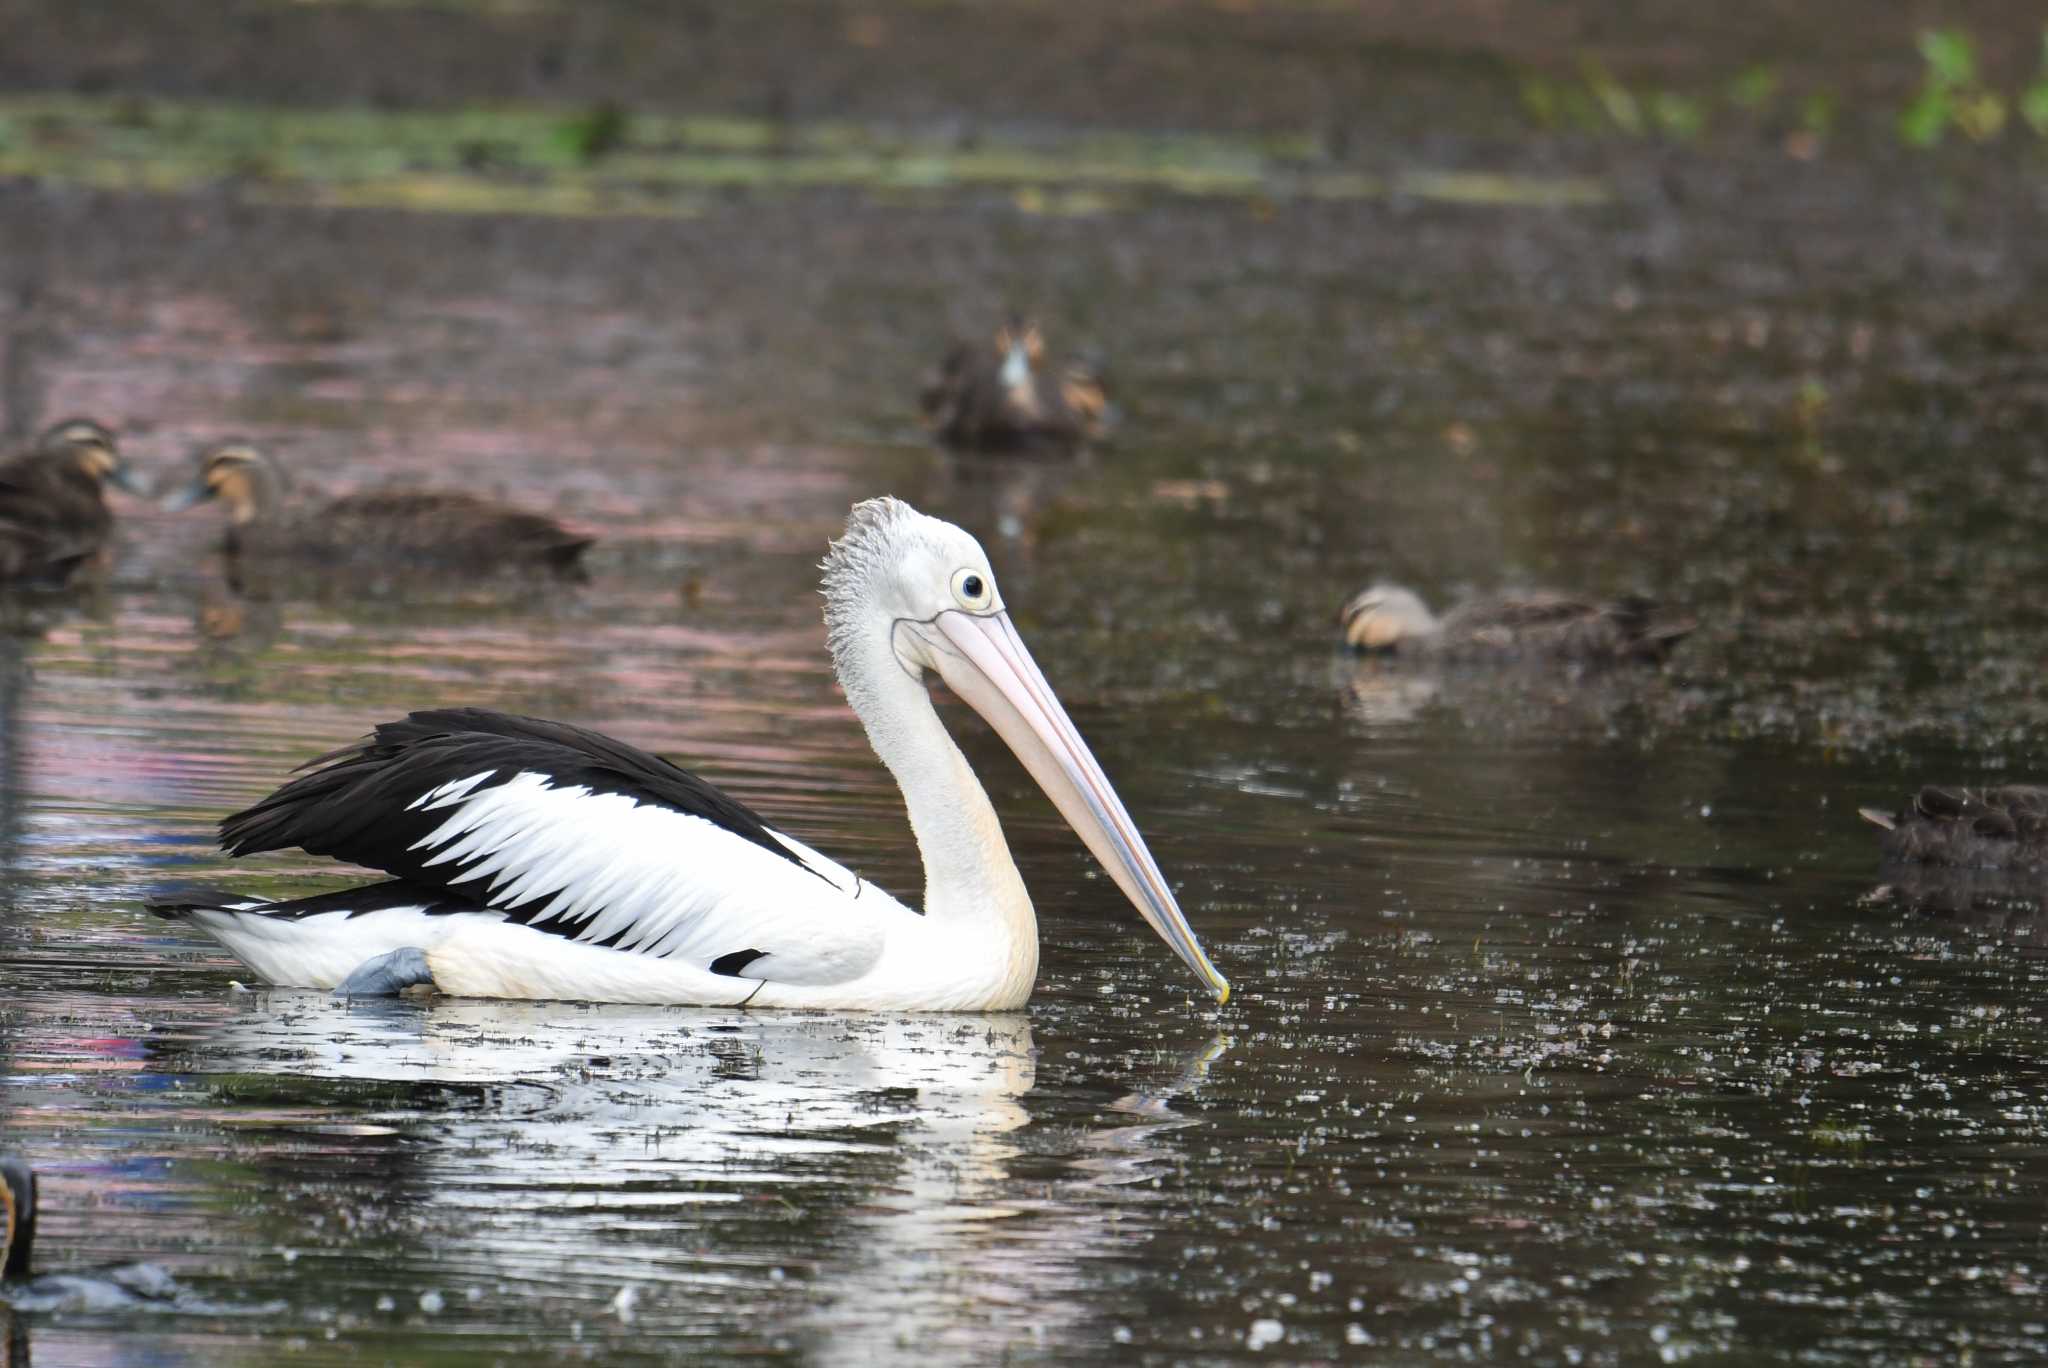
[178,699]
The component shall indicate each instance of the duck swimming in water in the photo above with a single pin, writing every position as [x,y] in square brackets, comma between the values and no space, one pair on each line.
[1964,828]
[996,399]
[53,508]
[376,530]
[532,859]
[1536,625]
[99,1289]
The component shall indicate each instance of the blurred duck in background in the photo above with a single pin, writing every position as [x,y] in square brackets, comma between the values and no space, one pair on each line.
[996,398]
[54,517]
[376,530]
[91,1290]
[2002,828]
[1536,625]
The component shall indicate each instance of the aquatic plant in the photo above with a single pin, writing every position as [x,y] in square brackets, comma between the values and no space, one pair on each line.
[1817,113]
[1952,94]
[1601,103]
[608,160]
[1614,97]
[1754,87]
[595,133]
[2033,101]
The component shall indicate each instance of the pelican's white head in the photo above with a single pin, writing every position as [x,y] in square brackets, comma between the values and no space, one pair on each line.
[895,565]
[908,591]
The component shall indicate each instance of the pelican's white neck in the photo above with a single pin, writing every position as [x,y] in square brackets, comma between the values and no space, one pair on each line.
[975,903]
[969,875]
[971,883]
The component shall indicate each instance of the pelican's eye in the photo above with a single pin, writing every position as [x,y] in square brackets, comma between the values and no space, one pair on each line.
[971,589]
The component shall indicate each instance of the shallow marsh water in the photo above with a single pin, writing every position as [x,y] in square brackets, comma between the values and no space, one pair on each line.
[1574,1020]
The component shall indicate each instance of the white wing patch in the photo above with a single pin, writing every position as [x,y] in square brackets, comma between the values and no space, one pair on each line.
[842,878]
[451,792]
[660,881]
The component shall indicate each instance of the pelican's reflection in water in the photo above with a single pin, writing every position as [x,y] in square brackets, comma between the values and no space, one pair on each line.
[830,1185]
[962,1260]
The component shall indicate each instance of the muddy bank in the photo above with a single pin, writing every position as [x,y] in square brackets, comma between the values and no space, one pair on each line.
[1365,78]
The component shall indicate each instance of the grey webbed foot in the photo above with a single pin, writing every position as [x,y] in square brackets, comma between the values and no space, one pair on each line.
[388,974]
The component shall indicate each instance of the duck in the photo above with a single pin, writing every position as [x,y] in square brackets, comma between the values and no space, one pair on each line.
[1535,624]
[375,530]
[112,1288]
[528,858]
[54,517]
[995,398]
[2004,827]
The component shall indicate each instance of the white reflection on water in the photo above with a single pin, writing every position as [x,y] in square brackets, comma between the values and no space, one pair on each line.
[603,1144]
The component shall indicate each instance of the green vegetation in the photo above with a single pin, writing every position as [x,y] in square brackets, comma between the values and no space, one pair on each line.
[597,134]
[2034,99]
[1817,113]
[1600,103]
[607,160]
[1953,96]
[1754,88]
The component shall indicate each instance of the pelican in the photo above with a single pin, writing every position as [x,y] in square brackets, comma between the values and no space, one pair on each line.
[533,859]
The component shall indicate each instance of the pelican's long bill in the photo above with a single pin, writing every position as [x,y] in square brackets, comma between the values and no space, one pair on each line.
[990,669]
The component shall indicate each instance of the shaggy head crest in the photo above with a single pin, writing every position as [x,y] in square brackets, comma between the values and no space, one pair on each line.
[857,560]
[893,561]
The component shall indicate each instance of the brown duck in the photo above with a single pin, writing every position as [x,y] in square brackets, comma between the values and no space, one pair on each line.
[53,508]
[1966,828]
[377,530]
[996,398]
[113,1287]
[1531,626]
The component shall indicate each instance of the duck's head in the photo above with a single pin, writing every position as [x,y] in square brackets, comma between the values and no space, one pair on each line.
[17,1216]
[241,476]
[1020,344]
[1384,616]
[92,450]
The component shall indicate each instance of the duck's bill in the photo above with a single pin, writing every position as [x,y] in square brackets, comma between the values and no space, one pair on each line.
[989,668]
[1016,371]
[185,496]
[124,478]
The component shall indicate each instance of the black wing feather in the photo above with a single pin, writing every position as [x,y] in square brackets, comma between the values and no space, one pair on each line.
[176,904]
[354,804]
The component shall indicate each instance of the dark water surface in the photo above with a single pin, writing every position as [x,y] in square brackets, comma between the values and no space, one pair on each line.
[1573,1021]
